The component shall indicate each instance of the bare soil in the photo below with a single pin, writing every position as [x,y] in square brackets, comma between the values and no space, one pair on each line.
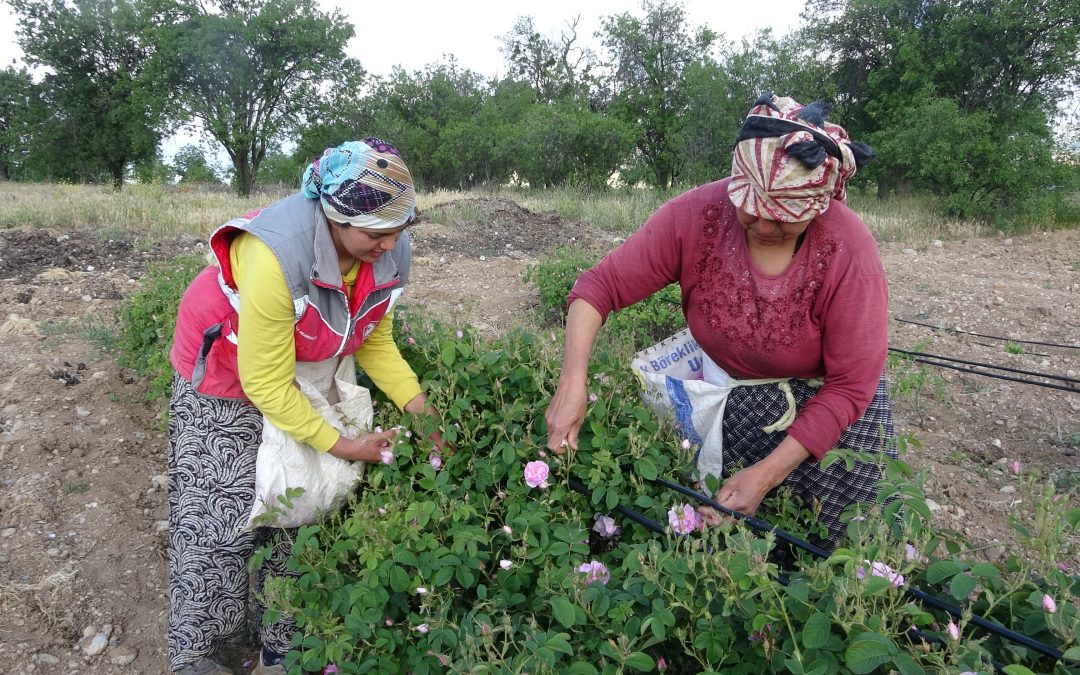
[82,455]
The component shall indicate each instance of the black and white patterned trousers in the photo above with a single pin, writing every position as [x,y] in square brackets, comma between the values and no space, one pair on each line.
[751,408]
[213,444]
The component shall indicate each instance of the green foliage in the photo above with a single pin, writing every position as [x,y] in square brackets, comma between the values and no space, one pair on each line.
[148,318]
[20,113]
[650,58]
[191,166]
[460,566]
[250,71]
[104,105]
[653,319]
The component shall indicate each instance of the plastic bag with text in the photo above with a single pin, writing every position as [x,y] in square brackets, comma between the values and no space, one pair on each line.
[680,383]
[283,463]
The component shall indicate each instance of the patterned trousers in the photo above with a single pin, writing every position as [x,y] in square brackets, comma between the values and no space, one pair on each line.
[751,408]
[213,444]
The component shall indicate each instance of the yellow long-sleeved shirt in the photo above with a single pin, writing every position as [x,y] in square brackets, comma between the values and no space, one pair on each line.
[266,351]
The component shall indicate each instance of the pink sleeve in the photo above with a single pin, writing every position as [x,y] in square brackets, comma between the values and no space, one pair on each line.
[855,343]
[650,260]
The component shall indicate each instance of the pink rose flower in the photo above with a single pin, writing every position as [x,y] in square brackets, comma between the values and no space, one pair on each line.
[507,529]
[954,631]
[536,474]
[595,571]
[1015,468]
[685,444]
[331,669]
[386,456]
[661,664]
[435,461]
[605,526]
[880,569]
[1049,605]
[505,564]
[592,398]
[460,335]
[422,629]
[683,519]
[421,590]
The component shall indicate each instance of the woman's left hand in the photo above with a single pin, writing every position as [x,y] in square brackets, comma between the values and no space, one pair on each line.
[742,492]
[419,406]
[745,489]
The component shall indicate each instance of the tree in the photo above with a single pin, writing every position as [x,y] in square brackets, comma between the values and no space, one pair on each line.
[250,72]
[978,80]
[555,70]
[104,109]
[650,57]
[20,110]
[190,164]
[720,94]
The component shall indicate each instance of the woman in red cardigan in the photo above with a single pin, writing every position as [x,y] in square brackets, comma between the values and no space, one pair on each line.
[779,279]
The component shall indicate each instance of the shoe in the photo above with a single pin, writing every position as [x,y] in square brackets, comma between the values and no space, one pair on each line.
[275,667]
[204,666]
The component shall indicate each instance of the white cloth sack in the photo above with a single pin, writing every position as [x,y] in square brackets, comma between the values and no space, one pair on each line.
[283,463]
[681,383]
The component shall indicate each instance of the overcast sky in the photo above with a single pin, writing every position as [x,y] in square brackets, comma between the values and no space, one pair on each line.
[416,33]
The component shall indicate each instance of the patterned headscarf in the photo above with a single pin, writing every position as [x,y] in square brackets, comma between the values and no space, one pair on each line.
[789,163]
[363,183]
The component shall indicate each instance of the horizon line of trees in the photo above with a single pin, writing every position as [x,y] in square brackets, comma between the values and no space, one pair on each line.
[959,98]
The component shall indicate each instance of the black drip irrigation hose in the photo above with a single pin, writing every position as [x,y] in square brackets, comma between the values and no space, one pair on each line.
[764,526]
[972,371]
[991,337]
[986,365]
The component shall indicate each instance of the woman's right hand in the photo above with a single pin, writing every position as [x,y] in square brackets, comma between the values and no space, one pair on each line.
[367,448]
[565,415]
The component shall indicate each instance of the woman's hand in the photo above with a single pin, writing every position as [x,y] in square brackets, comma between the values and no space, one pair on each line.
[565,415]
[744,491]
[566,412]
[419,406]
[367,448]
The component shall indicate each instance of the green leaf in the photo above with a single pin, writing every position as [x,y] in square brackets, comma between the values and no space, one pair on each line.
[640,661]
[799,590]
[907,665]
[794,666]
[564,611]
[943,569]
[961,587]
[1016,669]
[1073,654]
[1073,516]
[868,651]
[399,579]
[448,354]
[816,631]
[646,469]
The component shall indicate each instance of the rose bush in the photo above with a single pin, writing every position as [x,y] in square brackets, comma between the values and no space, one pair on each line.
[523,574]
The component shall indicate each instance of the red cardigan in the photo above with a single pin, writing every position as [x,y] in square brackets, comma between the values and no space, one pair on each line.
[825,316]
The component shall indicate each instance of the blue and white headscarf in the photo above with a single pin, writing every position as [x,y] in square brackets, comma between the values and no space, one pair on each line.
[363,183]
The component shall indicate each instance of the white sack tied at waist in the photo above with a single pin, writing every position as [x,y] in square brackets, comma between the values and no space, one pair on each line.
[284,463]
[680,382]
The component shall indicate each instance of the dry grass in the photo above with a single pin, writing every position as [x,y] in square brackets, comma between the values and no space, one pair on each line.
[42,595]
[156,211]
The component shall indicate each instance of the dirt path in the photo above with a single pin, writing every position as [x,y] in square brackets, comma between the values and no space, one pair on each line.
[82,457]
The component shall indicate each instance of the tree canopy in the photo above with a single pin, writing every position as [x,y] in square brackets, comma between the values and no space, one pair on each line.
[962,98]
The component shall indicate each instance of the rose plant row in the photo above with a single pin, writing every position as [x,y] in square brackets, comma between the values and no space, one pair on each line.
[481,559]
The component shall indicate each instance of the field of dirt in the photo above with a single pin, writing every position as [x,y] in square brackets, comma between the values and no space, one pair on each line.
[83,584]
